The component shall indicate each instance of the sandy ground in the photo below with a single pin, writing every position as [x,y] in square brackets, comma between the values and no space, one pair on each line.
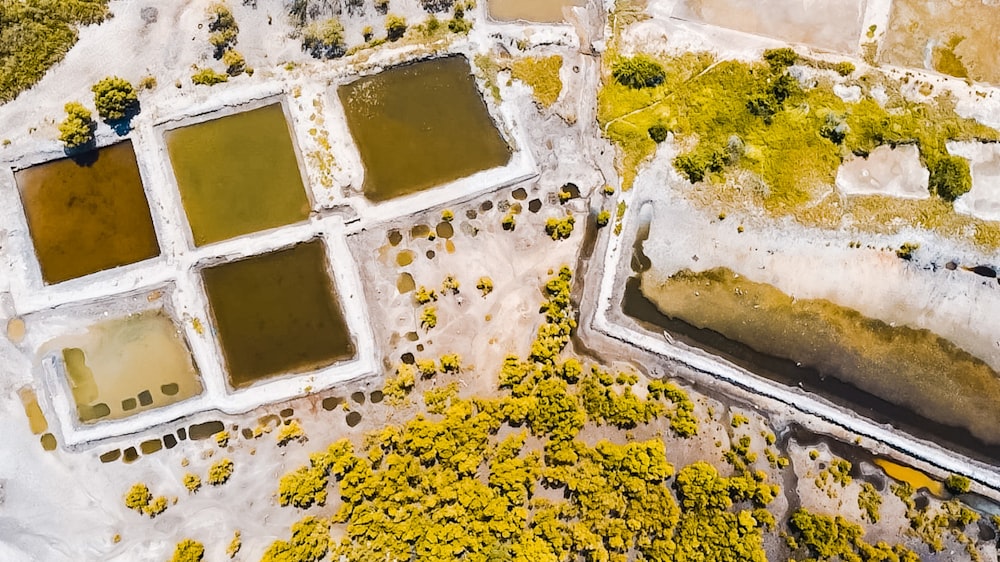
[896,172]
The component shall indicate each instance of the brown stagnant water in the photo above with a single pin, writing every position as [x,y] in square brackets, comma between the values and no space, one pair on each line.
[909,378]
[539,11]
[277,314]
[88,213]
[122,366]
[421,125]
[238,174]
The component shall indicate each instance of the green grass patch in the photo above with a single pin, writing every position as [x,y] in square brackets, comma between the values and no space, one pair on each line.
[542,74]
[36,34]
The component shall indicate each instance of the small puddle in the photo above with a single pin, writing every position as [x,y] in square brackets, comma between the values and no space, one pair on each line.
[36,419]
[405,258]
[419,231]
[16,330]
[445,230]
[111,456]
[200,431]
[405,283]
[911,476]
[395,237]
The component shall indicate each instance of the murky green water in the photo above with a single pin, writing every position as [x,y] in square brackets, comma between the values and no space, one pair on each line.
[121,366]
[277,313]
[238,174]
[421,125]
[88,214]
[912,368]
[540,11]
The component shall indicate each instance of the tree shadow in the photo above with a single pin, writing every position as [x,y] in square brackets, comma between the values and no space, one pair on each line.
[84,155]
[123,126]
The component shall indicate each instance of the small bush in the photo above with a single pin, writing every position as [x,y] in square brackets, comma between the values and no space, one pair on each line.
[447,215]
[844,68]
[235,63]
[235,545]
[428,318]
[451,363]
[147,83]
[437,5]
[695,165]
[508,222]
[638,72]
[658,133]
[208,77]
[485,286]
[220,472]
[138,497]
[957,484]
[426,367]
[115,98]
[367,33]
[780,58]
[188,551]
[395,27]
[382,6]
[559,229]
[603,218]
[192,482]
[424,296]
[905,252]
[292,431]
[950,178]
[324,39]
[450,285]
[77,129]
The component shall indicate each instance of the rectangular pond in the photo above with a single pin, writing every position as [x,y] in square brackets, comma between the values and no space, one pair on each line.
[536,11]
[238,174]
[827,24]
[126,365]
[277,313]
[421,125]
[910,378]
[87,213]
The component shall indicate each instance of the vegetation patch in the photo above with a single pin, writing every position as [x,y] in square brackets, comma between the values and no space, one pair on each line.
[757,126]
[542,74]
[36,34]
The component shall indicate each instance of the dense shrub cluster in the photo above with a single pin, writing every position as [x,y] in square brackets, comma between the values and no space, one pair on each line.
[950,177]
[115,98]
[638,72]
[324,39]
[36,34]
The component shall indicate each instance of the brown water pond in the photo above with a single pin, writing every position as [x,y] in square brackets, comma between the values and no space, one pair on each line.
[277,314]
[238,174]
[88,213]
[421,125]
[539,11]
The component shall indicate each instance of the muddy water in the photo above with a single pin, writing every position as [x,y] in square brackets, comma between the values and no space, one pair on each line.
[87,214]
[539,11]
[36,419]
[421,125]
[960,36]
[913,368]
[791,20]
[238,174]
[277,313]
[122,366]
